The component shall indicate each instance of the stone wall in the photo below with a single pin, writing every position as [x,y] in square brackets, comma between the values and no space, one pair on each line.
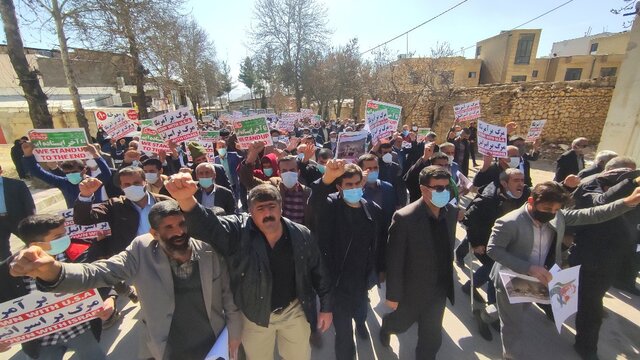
[572,109]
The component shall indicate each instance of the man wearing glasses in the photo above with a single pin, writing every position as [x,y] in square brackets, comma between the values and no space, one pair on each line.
[420,263]
[572,161]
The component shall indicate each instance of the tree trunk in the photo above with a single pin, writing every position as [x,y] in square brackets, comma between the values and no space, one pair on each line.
[68,71]
[138,69]
[28,79]
[339,107]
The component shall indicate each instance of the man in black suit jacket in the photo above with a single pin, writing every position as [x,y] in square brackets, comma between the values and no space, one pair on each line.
[572,161]
[209,194]
[420,263]
[16,204]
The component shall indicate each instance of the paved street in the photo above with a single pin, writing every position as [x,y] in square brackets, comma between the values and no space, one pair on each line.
[620,334]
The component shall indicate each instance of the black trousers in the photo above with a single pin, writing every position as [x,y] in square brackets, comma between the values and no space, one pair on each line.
[593,286]
[343,314]
[429,317]
[5,235]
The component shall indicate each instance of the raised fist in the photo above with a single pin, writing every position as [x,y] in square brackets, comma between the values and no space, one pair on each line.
[181,186]
[89,186]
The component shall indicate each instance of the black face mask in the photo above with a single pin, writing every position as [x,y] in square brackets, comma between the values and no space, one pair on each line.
[542,216]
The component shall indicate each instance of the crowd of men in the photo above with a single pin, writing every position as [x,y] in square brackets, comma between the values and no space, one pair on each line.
[277,243]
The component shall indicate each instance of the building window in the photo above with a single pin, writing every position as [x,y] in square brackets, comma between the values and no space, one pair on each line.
[519,78]
[594,48]
[478,49]
[472,74]
[608,71]
[573,74]
[525,45]
[534,73]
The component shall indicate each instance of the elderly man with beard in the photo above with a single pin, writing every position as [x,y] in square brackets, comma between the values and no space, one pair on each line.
[183,285]
[275,266]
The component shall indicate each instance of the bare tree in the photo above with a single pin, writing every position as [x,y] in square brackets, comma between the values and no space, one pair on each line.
[291,28]
[628,6]
[27,77]
[60,12]
[410,82]
[124,25]
[345,63]
[318,80]
[226,82]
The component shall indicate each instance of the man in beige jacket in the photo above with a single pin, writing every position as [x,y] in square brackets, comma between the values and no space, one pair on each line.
[182,283]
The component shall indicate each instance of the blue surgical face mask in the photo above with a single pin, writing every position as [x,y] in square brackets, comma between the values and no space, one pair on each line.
[352,195]
[405,132]
[372,177]
[440,199]
[514,162]
[59,245]
[321,168]
[205,182]
[222,152]
[289,179]
[268,172]
[301,156]
[74,178]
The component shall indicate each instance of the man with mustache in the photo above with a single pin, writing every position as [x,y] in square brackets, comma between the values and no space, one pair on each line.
[183,285]
[274,263]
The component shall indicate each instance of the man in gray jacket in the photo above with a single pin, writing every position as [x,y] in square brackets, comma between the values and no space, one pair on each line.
[182,283]
[528,241]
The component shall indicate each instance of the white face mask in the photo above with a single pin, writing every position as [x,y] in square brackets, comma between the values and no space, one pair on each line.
[151,177]
[275,139]
[134,192]
[387,158]
[450,159]
[514,162]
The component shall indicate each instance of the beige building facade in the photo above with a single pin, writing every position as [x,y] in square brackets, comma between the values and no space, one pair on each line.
[509,56]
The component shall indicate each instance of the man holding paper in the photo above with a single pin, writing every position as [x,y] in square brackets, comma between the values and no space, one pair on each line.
[528,241]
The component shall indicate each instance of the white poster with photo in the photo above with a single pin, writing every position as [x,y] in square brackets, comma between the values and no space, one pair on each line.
[351,145]
[523,288]
[467,111]
[376,122]
[39,314]
[492,139]
[563,294]
[535,131]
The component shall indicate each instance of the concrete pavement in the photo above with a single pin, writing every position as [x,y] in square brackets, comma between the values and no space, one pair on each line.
[619,336]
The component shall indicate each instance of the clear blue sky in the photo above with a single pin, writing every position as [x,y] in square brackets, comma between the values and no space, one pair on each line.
[375,21]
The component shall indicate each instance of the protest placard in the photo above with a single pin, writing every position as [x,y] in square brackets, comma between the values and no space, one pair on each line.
[177,126]
[287,121]
[84,232]
[59,144]
[236,114]
[393,116]
[377,124]
[422,133]
[207,118]
[210,135]
[118,126]
[467,111]
[351,145]
[252,128]
[150,140]
[106,114]
[492,139]
[535,131]
[38,314]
